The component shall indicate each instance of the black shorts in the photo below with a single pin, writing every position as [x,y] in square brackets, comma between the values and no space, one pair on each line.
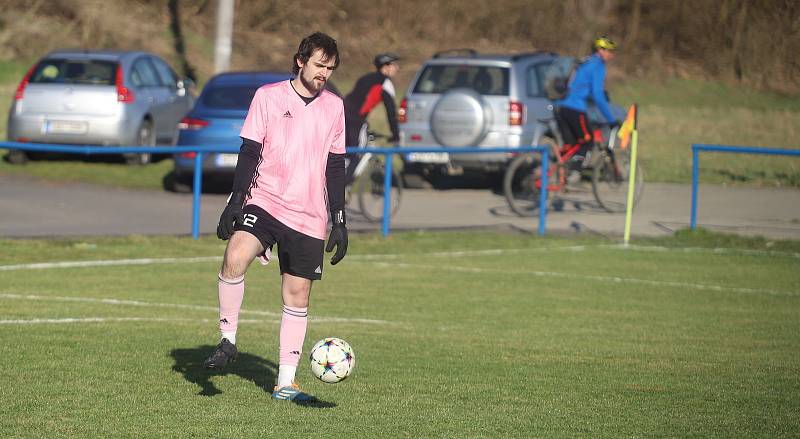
[299,254]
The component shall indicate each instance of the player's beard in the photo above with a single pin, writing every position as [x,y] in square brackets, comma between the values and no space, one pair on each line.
[311,86]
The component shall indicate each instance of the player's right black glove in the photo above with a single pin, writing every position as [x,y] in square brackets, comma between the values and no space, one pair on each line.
[232,215]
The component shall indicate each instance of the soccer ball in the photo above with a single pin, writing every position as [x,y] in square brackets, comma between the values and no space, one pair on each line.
[332,360]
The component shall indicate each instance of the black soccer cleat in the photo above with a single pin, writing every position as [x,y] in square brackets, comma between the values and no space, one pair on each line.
[225,353]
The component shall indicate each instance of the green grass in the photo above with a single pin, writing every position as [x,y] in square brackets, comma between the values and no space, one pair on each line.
[12,71]
[109,171]
[674,114]
[690,93]
[484,335]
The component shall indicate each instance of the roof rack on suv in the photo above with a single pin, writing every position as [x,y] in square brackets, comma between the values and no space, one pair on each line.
[452,52]
[536,53]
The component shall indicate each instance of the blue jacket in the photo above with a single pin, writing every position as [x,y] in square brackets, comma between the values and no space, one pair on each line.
[588,84]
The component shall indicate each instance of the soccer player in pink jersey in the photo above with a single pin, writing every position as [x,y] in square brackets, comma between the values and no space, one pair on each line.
[290,173]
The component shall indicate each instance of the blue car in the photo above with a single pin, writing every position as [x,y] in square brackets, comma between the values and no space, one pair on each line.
[216,120]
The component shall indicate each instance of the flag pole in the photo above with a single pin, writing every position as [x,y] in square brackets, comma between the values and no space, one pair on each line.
[632,176]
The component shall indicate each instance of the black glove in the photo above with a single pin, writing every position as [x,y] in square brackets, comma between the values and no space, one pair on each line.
[338,236]
[232,215]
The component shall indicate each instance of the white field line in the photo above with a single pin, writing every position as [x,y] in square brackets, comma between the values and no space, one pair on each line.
[158,261]
[572,275]
[107,263]
[462,253]
[716,251]
[118,302]
[91,320]
[369,257]
[112,320]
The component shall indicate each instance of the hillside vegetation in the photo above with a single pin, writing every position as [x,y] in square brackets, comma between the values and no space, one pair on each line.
[724,39]
[723,72]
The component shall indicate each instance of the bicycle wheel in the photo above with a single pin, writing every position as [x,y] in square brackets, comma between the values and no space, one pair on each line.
[520,185]
[610,177]
[369,188]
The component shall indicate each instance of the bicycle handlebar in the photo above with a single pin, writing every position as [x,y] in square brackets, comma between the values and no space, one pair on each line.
[376,135]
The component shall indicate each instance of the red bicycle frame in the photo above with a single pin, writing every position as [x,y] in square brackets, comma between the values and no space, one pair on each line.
[562,155]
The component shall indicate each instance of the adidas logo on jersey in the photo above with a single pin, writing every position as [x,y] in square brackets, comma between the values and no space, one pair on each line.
[318,270]
[287,114]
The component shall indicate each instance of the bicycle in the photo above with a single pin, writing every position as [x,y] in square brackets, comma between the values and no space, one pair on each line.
[368,183]
[609,166]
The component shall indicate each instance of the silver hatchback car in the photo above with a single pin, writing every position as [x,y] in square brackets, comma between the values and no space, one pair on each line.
[99,98]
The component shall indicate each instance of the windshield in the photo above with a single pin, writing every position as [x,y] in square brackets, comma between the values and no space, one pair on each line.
[486,80]
[231,97]
[62,71]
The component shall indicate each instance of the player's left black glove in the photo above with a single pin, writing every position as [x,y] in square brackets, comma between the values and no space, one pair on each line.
[231,216]
[338,236]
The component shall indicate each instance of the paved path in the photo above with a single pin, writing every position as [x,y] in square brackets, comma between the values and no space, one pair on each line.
[29,207]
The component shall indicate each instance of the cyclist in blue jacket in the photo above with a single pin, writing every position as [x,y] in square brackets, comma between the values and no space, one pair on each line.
[587,84]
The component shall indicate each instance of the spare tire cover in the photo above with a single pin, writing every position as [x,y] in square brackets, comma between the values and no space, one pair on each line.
[460,118]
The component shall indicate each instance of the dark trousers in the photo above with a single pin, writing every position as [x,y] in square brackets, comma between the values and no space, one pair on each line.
[576,129]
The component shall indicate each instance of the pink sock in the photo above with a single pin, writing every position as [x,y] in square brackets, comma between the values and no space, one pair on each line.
[293,331]
[231,293]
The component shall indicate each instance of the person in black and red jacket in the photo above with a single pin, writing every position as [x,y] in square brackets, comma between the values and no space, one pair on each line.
[370,90]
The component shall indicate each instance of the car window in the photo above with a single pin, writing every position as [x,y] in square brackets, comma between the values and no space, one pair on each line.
[535,78]
[143,74]
[233,97]
[62,71]
[486,80]
[541,76]
[165,73]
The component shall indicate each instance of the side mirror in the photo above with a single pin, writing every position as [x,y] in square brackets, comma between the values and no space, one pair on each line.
[184,85]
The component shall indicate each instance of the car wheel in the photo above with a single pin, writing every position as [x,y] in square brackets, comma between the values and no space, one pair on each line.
[460,118]
[16,157]
[416,176]
[145,137]
[415,181]
[177,183]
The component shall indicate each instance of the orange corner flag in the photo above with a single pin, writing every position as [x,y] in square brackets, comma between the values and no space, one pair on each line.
[627,128]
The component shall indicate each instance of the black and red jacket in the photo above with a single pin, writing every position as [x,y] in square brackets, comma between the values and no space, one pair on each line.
[370,90]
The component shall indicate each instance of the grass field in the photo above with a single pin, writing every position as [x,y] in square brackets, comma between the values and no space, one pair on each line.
[674,114]
[456,335]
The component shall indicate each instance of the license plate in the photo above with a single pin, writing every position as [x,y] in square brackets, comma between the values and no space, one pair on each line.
[65,127]
[428,157]
[227,160]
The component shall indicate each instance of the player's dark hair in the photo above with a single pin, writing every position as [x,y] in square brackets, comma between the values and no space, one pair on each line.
[317,40]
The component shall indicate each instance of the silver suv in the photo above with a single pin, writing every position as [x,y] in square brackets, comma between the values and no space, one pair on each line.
[462,98]
[99,98]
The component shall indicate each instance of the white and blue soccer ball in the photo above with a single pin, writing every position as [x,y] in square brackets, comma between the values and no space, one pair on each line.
[332,360]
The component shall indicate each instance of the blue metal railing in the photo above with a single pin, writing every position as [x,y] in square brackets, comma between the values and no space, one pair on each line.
[696,148]
[390,152]
[201,150]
